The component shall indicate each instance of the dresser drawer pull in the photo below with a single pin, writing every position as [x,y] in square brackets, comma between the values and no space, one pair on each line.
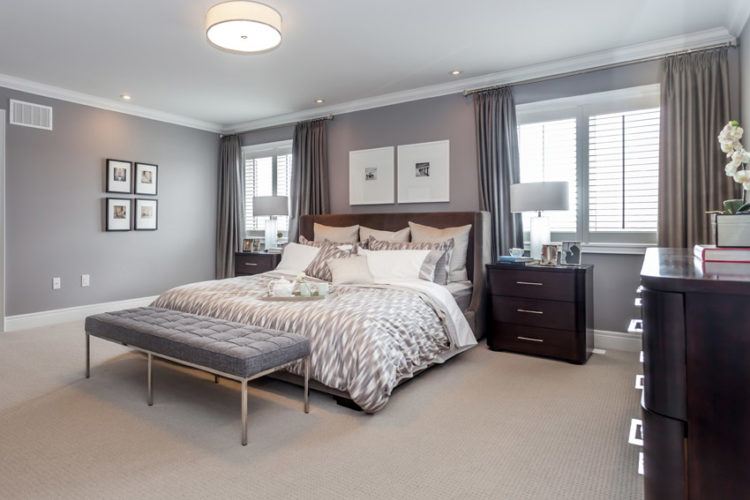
[529,339]
[529,311]
[529,283]
[251,264]
[635,326]
[639,381]
[636,430]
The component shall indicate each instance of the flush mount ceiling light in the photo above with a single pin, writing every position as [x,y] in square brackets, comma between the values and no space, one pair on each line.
[243,27]
[456,72]
[125,97]
[319,101]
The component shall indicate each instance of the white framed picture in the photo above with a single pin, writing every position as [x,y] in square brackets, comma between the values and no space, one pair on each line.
[371,176]
[424,172]
[146,178]
[119,176]
[146,214]
[118,214]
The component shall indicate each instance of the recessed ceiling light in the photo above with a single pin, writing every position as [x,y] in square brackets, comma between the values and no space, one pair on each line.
[243,26]
[456,72]
[319,101]
[125,97]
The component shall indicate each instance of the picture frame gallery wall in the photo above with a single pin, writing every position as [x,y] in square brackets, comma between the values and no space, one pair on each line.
[126,177]
[411,173]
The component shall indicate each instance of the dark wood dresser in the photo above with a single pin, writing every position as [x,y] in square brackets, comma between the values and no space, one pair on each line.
[247,263]
[546,311]
[696,364]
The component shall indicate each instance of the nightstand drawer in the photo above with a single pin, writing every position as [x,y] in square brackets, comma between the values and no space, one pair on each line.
[541,313]
[532,340]
[532,284]
[254,263]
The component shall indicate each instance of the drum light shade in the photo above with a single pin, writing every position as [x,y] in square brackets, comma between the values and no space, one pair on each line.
[537,196]
[243,27]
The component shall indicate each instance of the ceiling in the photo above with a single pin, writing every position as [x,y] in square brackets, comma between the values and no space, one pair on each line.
[339,50]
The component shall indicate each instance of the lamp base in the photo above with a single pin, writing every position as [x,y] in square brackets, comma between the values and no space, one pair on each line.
[540,235]
[271,234]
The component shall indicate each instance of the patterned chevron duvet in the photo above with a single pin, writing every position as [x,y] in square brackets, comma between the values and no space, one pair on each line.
[365,339]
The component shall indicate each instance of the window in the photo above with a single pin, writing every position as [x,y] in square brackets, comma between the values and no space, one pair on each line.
[607,147]
[268,169]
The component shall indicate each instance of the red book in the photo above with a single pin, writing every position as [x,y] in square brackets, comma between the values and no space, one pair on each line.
[710,253]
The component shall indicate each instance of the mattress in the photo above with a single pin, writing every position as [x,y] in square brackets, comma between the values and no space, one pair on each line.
[461,291]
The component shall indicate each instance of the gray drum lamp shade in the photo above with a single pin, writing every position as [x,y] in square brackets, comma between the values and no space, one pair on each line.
[537,196]
[270,205]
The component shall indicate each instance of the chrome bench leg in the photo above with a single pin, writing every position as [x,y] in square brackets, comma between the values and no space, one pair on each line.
[88,355]
[244,412]
[150,381]
[307,384]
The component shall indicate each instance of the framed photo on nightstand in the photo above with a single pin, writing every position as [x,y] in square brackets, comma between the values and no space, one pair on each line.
[119,176]
[117,213]
[146,214]
[146,178]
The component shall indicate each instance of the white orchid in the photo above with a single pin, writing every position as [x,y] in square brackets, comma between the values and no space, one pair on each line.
[731,168]
[729,139]
[743,177]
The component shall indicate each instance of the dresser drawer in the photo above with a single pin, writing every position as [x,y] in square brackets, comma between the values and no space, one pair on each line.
[253,263]
[541,313]
[532,284]
[533,340]
[664,457]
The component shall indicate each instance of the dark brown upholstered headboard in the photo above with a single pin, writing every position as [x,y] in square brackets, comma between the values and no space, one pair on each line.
[478,253]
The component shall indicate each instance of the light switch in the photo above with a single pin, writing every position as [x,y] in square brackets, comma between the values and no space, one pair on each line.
[85,280]
[56,283]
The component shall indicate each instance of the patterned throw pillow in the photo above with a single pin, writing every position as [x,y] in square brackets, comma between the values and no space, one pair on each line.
[318,268]
[318,244]
[439,258]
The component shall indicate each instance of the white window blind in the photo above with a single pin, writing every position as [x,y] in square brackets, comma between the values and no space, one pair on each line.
[624,171]
[267,173]
[548,153]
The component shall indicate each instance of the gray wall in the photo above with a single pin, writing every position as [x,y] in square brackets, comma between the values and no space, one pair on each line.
[452,117]
[745,71]
[55,208]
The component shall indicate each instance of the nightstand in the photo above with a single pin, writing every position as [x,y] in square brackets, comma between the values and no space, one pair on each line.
[247,263]
[542,310]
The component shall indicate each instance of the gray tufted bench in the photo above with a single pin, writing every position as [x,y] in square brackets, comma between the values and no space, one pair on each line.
[224,348]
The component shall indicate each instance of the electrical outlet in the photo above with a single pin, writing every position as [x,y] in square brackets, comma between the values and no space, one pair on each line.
[56,283]
[85,280]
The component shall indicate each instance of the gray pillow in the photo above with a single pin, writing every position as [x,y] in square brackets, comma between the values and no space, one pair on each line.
[318,268]
[460,235]
[400,236]
[435,264]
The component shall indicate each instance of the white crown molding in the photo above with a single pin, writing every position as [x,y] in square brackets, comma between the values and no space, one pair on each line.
[591,61]
[62,94]
[738,17]
[69,314]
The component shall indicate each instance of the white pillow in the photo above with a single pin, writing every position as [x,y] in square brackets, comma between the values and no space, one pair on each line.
[460,235]
[296,258]
[350,270]
[401,236]
[395,265]
[335,234]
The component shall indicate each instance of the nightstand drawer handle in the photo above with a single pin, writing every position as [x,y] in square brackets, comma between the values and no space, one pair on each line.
[253,264]
[529,311]
[531,283]
[531,339]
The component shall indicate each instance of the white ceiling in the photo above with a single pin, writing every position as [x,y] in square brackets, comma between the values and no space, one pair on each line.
[340,50]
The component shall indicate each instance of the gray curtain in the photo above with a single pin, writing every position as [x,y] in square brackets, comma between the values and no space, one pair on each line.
[230,223]
[497,154]
[309,193]
[694,108]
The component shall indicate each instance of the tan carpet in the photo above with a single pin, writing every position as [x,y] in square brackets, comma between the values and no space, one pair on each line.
[486,425]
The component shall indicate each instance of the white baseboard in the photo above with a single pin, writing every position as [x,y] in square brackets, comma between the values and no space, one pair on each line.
[68,314]
[617,341]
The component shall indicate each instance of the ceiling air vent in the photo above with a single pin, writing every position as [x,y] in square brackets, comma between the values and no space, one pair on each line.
[26,114]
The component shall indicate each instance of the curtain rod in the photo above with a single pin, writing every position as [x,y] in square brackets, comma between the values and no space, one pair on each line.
[477,90]
[326,117]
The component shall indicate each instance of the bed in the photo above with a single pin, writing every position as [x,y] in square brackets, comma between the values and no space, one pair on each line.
[366,340]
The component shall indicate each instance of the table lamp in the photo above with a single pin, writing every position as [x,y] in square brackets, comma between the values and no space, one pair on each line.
[535,197]
[270,206]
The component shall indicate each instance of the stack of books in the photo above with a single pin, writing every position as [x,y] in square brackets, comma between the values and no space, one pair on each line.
[507,259]
[722,261]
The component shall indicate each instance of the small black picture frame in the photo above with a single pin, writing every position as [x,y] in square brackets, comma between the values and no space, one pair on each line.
[117,214]
[119,174]
[146,179]
[141,222]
